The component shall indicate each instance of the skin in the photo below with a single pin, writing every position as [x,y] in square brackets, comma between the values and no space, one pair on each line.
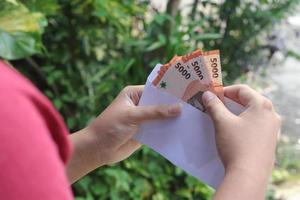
[107,139]
[246,143]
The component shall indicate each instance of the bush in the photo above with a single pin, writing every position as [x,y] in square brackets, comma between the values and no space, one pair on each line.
[82,53]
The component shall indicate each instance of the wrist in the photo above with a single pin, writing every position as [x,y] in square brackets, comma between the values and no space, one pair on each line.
[93,152]
[84,158]
[243,183]
[257,172]
[86,149]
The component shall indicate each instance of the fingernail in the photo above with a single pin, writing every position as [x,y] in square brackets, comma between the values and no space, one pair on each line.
[174,110]
[208,96]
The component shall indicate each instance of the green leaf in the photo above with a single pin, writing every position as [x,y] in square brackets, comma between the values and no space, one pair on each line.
[161,42]
[20,30]
[128,65]
[17,45]
[57,103]
[71,122]
[122,178]
[17,18]
[208,36]
[47,7]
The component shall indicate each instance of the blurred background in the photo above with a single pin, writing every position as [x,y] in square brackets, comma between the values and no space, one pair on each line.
[81,53]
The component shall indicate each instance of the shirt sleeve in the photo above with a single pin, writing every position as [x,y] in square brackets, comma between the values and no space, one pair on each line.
[31,164]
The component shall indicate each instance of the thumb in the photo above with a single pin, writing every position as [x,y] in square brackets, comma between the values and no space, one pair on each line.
[215,107]
[145,113]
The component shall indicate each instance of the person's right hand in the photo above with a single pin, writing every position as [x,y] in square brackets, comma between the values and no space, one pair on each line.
[247,142]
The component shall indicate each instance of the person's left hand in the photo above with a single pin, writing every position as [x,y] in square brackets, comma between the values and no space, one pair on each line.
[113,129]
[108,139]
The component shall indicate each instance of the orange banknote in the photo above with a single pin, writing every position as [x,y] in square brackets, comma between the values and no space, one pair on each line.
[179,79]
[213,65]
[188,77]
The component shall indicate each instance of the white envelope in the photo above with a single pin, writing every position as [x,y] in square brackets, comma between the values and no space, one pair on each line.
[188,141]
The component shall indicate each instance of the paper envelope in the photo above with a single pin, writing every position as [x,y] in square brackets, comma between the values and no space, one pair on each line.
[188,141]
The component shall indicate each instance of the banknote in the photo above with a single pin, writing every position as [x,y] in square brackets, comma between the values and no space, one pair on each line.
[179,79]
[196,62]
[213,65]
[188,77]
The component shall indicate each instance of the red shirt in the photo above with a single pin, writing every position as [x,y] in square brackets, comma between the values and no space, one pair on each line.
[34,146]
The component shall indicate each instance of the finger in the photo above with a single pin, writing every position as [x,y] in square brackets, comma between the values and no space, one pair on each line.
[134,88]
[242,94]
[134,93]
[215,107]
[145,113]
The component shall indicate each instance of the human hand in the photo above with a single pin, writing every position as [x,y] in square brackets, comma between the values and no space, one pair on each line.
[113,129]
[108,139]
[246,143]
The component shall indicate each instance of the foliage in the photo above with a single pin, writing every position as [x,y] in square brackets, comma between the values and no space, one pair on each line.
[288,166]
[91,49]
[20,30]
[242,25]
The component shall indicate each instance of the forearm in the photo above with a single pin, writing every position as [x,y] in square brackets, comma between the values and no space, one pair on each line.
[243,184]
[85,157]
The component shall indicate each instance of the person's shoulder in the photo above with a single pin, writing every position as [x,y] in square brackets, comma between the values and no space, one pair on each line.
[16,90]
[33,139]
[14,85]
[22,103]
[12,80]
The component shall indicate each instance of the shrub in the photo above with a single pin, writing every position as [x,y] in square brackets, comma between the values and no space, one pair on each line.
[82,53]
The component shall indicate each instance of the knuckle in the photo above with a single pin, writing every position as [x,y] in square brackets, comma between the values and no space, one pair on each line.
[131,114]
[212,107]
[127,88]
[213,104]
[244,90]
[267,104]
[244,87]
[161,111]
[209,105]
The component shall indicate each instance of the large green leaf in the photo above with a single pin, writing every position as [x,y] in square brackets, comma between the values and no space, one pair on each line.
[17,45]
[20,30]
[47,7]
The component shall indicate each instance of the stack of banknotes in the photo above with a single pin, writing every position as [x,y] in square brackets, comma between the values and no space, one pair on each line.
[188,77]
